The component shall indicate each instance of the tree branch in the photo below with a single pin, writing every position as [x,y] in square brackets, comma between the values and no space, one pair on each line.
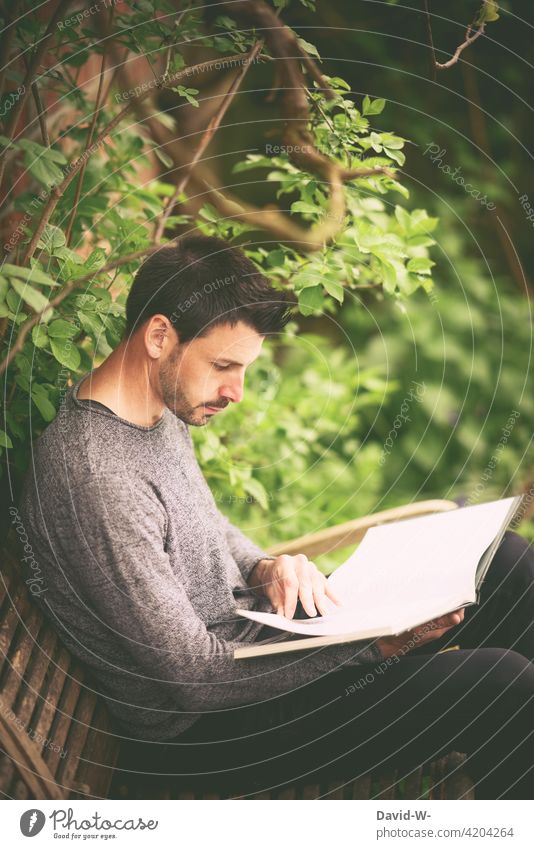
[99,102]
[58,191]
[65,292]
[212,127]
[33,65]
[470,37]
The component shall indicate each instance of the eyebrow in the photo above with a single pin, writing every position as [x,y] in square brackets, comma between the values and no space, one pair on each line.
[226,361]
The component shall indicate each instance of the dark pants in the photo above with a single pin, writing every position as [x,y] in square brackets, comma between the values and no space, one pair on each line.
[403,713]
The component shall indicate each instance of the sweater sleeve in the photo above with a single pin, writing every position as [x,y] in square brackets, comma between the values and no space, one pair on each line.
[244,551]
[124,575]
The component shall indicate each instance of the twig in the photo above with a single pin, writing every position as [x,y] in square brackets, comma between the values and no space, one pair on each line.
[34,63]
[36,318]
[470,37]
[213,125]
[58,191]
[98,106]
[40,110]
[5,46]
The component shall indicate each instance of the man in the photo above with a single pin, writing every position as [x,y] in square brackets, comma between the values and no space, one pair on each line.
[143,573]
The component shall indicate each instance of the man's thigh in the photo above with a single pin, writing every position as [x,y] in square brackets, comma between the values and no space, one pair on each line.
[358,718]
[504,618]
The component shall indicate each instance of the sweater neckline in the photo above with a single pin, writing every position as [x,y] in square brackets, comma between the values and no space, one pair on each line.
[100,411]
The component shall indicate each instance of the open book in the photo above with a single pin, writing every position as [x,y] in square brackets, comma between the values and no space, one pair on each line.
[403,574]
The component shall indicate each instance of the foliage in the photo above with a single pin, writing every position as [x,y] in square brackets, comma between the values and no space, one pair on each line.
[289,458]
[115,215]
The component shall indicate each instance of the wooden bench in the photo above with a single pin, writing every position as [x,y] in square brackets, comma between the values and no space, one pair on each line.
[56,737]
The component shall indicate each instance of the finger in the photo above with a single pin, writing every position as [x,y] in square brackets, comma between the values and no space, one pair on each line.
[332,595]
[307,597]
[290,588]
[322,603]
[430,635]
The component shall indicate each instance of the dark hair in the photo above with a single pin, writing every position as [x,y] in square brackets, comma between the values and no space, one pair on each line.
[199,282]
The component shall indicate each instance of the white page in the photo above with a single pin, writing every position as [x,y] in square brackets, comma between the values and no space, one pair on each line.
[402,569]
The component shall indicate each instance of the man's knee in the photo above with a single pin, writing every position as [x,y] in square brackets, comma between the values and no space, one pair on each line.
[505,670]
[514,556]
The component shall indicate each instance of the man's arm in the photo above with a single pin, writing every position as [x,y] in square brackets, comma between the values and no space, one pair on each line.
[245,552]
[119,568]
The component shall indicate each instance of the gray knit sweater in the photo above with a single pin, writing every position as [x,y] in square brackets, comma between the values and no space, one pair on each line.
[142,573]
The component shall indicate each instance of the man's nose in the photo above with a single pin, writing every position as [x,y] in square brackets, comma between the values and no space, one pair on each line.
[234,390]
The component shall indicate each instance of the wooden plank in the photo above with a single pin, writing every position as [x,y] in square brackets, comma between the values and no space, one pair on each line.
[310,791]
[6,581]
[287,793]
[63,717]
[10,620]
[77,736]
[19,790]
[333,790]
[457,782]
[436,771]
[361,787]
[19,655]
[387,784]
[46,707]
[7,771]
[99,755]
[27,760]
[35,674]
[413,784]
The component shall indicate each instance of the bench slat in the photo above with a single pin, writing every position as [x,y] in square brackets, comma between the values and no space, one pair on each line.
[40,662]
[77,736]
[63,717]
[19,654]
[99,756]
[47,706]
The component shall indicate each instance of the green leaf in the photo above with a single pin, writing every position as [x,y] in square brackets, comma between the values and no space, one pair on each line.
[373,107]
[38,150]
[334,288]
[35,299]
[187,93]
[32,275]
[209,213]
[61,329]
[488,12]
[420,265]
[43,403]
[53,237]
[403,218]
[44,170]
[311,299]
[163,157]
[302,206]
[91,324]
[40,336]
[307,47]
[257,490]
[396,155]
[5,441]
[66,353]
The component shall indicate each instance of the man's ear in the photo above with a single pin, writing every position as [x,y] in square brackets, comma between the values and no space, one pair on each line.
[160,336]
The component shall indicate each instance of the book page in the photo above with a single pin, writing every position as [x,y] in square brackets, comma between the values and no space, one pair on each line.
[404,573]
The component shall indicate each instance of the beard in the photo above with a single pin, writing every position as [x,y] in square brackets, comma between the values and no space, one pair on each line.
[175,398]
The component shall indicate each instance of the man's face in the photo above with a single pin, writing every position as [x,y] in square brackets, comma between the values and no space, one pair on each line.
[201,377]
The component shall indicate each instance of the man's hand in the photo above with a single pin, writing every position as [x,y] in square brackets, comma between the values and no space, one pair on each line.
[421,635]
[287,579]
